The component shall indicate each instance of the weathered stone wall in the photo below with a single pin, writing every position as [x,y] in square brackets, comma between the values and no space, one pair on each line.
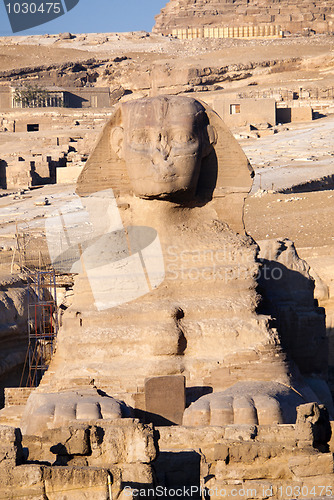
[246,461]
[17,395]
[93,460]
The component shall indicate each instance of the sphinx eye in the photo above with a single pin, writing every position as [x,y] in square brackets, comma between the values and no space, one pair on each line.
[139,136]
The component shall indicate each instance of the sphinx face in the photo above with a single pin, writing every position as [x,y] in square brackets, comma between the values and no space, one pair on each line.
[163,145]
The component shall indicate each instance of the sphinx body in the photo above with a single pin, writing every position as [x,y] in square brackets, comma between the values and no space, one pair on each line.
[168,283]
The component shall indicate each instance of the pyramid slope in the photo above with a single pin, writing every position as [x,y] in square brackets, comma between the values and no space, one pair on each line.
[289,14]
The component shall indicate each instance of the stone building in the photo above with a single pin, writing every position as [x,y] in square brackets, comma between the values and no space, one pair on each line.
[56,97]
[87,97]
[239,112]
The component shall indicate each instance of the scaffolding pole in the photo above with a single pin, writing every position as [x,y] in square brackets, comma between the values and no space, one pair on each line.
[42,323]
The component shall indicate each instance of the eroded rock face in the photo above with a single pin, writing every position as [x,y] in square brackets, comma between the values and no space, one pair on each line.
[288,291]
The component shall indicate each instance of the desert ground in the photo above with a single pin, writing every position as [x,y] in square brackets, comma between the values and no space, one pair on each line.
[287,62]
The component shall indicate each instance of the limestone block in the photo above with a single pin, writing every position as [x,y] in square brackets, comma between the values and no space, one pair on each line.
[76,483]
[311,465]
[309,16]
[313,424]
[10,446]
[254,489]
[297,17]
[248,452]
[114,444]
[323,483]
[274,468]
[253,11]
[219,379]
[264,18]
[136,473]
[177,437]
[24,481]
[243,432]
[221,452]
[108,445]
[73,440]
[284,433]
[208,452]
[55,443]
[127,476]
[38,449]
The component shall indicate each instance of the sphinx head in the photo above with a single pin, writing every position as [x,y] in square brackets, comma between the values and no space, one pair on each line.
[163,141]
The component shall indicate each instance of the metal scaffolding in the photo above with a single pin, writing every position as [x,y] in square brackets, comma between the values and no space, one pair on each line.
[42,324]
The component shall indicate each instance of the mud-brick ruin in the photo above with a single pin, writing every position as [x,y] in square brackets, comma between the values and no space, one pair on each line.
[188,355]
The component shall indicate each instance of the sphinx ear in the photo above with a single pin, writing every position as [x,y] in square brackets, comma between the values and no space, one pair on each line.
[210,141]
[212,134]
[116,140]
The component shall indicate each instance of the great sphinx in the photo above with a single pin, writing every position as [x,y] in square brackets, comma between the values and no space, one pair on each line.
[166,276]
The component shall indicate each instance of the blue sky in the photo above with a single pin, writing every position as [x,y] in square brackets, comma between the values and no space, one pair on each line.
[91,16]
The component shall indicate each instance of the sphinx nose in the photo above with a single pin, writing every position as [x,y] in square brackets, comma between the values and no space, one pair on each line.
[163,146]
